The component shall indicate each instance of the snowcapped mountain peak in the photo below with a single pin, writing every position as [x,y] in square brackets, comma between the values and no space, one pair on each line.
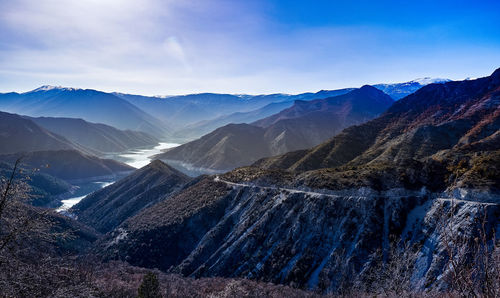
[50,88]
[400,90]
[429,80]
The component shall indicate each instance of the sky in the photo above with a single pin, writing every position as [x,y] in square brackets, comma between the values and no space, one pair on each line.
[166,47]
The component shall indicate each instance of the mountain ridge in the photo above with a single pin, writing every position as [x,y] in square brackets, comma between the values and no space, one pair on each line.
[312,122]
[99,137]
[20,134]
[107,208]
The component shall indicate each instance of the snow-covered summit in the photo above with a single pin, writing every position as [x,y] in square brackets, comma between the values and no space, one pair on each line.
[50,88]
[400,90]
[428,80]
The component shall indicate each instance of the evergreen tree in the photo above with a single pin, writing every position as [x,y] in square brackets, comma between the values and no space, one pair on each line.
[150,287]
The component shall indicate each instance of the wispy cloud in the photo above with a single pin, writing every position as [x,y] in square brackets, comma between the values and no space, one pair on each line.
[171,47]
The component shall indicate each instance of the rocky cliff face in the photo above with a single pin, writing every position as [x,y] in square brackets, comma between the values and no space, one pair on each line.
[303,238]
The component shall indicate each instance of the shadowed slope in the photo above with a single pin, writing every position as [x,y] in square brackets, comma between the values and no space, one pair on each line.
[107,208]
[99,137]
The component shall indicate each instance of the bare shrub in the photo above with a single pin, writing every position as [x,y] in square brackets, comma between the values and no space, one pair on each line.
[388,273]
[20,222]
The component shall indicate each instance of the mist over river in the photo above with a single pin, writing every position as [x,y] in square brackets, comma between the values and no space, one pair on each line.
[137,158]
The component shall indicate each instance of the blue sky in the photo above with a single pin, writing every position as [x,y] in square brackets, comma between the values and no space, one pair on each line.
[252,46]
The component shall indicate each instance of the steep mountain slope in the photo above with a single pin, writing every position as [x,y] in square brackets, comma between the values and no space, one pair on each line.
[356,106]
[99,137]
[400,90]
[305,124]
[225,148]
[68,164]
[105,209]
[453,117]
[425,174]
[19,134]
[91,105]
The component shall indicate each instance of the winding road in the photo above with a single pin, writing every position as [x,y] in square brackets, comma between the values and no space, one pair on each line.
[312,193]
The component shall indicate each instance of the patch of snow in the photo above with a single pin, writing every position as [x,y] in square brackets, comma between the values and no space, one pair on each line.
[428,80]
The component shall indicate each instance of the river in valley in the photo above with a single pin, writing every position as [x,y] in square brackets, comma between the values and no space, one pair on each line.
[82,190]
[141,157]
[136,158]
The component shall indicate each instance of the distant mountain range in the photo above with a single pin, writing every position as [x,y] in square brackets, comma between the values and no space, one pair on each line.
[301,218]
[305,124]
[192,109]
[90,105]
[180,118]
[194,115]
[280,102]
